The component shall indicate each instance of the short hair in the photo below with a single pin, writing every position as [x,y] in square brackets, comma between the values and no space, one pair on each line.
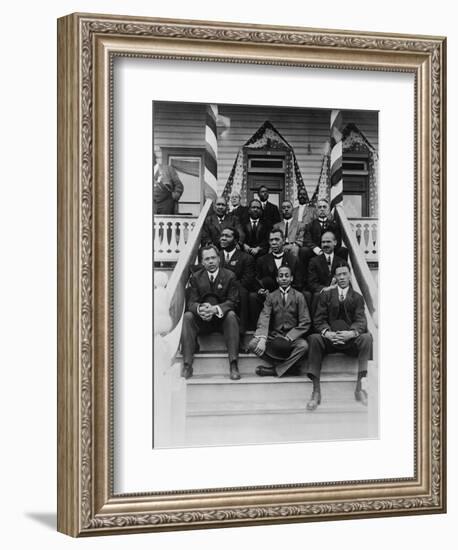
[287,266]
[323,200]
[329,231]
[234,232]
[341,263]
[236,193]
[207,247]
[263,186]
[221,199]
[255,200]
[277,230]
[288,201]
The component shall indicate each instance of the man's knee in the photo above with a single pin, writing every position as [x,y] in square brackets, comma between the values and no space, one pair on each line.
[188,317]
[231,318]
[365,339]
[315,340]
[301,344]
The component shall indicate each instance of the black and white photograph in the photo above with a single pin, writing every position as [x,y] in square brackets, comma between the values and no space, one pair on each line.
[266,259]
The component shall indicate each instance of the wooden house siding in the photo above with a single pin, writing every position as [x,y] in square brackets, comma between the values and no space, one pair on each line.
[306,130]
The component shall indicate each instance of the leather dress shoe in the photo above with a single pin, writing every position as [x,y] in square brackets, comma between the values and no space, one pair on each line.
[315,400]
[186,372]
[265,371]
[361,396]
[234,373]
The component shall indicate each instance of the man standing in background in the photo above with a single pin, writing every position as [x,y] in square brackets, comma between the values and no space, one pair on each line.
[270,213]
[167,189]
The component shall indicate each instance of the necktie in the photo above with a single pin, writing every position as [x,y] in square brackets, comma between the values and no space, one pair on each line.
[284,295]
[227,257]
[212,280]
[341,297]
[328,260]
[286,231]
[254,226]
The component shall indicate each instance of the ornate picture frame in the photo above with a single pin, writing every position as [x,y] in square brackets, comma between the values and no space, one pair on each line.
[87,46]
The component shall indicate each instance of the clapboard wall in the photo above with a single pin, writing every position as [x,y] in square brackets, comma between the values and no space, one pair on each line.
[306,130]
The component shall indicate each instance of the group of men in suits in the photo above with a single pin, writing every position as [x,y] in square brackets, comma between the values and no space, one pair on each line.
[286,277]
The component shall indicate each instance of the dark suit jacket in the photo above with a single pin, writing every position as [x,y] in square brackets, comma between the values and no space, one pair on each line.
[327,310]
[266,270]
[211,230]
[225,288]
[242,265]
[242,213]
[167,190]
[270,214]
[260,238]
[313,232]
[319,274]
[292,319]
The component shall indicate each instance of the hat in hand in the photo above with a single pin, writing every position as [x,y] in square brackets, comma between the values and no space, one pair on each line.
[278,348]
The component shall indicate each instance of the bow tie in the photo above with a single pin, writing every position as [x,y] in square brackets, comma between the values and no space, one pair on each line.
[277,256]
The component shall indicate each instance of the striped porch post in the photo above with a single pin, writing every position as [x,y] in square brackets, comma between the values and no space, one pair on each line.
[211,153]
[336,159]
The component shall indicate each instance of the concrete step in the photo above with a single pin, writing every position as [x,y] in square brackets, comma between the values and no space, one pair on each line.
[286,406]
[214,363]
[264,393]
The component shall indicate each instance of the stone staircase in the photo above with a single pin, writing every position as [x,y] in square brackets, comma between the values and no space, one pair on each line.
[256,409]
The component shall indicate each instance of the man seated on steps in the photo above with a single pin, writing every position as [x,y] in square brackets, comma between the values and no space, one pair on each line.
[340,325]
[266,273]
[321,268]
[218,220]
[283,323]
[242,265]
[212,301]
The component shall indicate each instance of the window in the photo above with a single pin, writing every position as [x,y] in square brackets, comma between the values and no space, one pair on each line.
[188,164]
[356,185]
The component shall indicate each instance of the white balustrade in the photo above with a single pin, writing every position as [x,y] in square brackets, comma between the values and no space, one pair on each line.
[366,233]
[171,233]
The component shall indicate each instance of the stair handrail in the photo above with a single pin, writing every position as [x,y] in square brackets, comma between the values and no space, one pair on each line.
[361,270]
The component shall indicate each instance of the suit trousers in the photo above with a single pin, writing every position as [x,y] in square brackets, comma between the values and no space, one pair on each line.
[255,305]
[244,311]
[298,351]
[360,347]
[194,325]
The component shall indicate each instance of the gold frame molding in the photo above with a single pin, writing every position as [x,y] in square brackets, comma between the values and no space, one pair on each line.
[87,45]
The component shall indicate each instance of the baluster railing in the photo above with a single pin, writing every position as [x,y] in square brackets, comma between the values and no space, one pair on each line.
[171,234]
[366,233]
